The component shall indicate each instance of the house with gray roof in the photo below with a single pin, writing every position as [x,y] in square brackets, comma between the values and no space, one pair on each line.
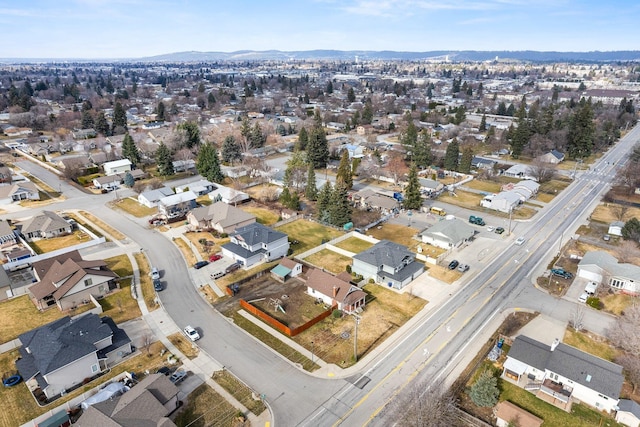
[219,216]
[448,233]
[388,263]
[18,191]
[150,198]
[430,187]
[615,228]
[147,403]
[200,187]
[600,266]
[60,355]
[255,243]
[228,195]
[44,226]
[7,236]
[628,413]
[564,374]
[554,157]
[177,205]
[504,201]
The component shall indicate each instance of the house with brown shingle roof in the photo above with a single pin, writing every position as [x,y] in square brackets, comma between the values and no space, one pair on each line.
[507,412]
[219,216]
[67,281]
[44,226]
[335,290]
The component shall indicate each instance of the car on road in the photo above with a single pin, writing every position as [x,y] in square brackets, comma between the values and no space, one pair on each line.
[490,228]
[198,265]
[520,241]
[178,376]
[463,268]
[453,264]
[155,274]
[157,285]
[499,230]
[215,257]
[191,332]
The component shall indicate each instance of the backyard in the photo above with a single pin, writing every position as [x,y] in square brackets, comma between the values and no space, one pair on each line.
[354,244]
[263,215]
[400,234]
[329,260]
[48,245]
[309,234]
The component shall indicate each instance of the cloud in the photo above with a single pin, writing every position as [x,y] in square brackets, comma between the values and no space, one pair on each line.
[387,8]
[16,12]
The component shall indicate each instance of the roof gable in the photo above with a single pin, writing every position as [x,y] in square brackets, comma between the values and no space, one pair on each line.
[385,253]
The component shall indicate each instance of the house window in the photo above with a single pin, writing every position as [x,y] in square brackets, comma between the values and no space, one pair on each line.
[617,283]
[94,368]
[88,282]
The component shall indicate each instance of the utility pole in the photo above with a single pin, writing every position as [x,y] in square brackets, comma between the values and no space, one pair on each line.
[510,210]
[355,338]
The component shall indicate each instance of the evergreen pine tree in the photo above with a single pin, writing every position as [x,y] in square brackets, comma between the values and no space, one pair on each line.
[311,191]
[211,100]
[128,180]
[351,95]
[484,392]
[329,87]
[483,123]
[581,132]
[465,160]
[324,199]
[119,119]
[344,174]
[231,151]
[422,150]
[87,119]
[367,113]
[318,147]
[193,133]
[410,136]
[451,155]
[163,160]
[101,125]
[412,198]
[303,139]
[339,208]
[285,197]
[208,163]
[161,112]
[129,150]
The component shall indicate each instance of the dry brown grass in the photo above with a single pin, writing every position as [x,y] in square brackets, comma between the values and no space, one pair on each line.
[444,274]
[120,304]
[209,294]
[146,284]
[590,343]
[263,215]
[47,245]
[400,234]
[617,303]
[107,228]
[606,212]
[462,198]
[205,407]
[241,274]
[240,391]
[309,234]
[185,346]
[185,248]
[353,244]
[120,265]
[329,260]
[488,186]
[204,250]
[134,208]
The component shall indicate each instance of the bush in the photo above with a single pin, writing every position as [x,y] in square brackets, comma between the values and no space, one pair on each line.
[371,281]
[336,314]
[348,269]
[595,302]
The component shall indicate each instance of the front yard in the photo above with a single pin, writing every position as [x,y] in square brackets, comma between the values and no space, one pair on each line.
[205,407]
[309,234]
[132,207]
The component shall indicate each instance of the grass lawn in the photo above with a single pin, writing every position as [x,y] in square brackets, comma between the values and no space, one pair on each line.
[204,200]
[617,303]
[396,233]
[19,315]
[47,245]
[263,215]
[187,348]
[186,250]
[146,284]
[310,234]
[608,212]
[204,250]
[205,407]
[462,198]
[239,390]
[120,265]
[597,347]
[551,189]
[19,406]
[110,230]
[353,244]
[487,186]
[385,312]
[134,208]
[329,260]
[120,304]
[241,274]
[443,273]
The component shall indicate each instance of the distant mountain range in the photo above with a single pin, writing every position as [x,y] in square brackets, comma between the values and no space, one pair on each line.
[342,55]
[452,55]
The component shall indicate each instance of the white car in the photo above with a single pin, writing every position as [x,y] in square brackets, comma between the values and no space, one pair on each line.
[583,298]
[155,274]
[490,228]
[519,241]
[191,333]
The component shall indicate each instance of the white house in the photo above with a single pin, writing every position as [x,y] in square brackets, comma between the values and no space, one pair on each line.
[519,171]
[628,413]
[151,198]
[615,228]
[117,166]
[564,373]
[286,268]
[504,201]
[254,243]
[108,182]
[600,266]
[388,263]
[19,191]
[200,187]
[448,233]
[177,205]
[228,195]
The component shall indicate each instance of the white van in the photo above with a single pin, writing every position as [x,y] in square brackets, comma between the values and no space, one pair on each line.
[591,288]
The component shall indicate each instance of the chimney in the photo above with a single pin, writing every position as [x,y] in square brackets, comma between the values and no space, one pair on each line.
[335,291]
[554,344]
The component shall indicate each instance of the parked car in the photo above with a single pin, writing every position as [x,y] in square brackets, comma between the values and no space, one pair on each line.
[463,268]
[561,272]
[191,332]
[606,237]
[164,371]
[453,264]
[583,298]
[490,228]
[499,230]
[591,288]
[157,285]
[155,274]
[232,267]
[178,376]
[198,265]
[520,241]
[215,257]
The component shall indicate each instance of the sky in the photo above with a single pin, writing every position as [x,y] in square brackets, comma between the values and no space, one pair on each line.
[120,29]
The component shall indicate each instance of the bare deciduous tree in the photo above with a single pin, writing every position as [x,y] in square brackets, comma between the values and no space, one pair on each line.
[542,171]
[576,317]
[619,211]
[631,365]
[145,343]
[625,333]
[627,251]
[420,406]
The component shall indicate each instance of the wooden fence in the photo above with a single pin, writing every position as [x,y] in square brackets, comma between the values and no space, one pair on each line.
[290,332]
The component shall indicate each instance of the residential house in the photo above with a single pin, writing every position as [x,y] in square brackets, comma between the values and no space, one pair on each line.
[615,228]
[518,171]
[107,182]
[150,198]
[600,266]
[26,190]
[448,233]
[527,189]
[628,413]
[228,195]
[177,205]
[117,166]
[507,414]
[7,236]
[355,151]
[44,226]
[561,374]
[254,243]
[431,188]
[18,253]
[61,355]
[554,157]
[505,201]
[368,199]
[67,281]
[6,291]
[184,165]
[335,291]
[201,187]
[219,216]
[482,163]
[285,269]
[84,133]
[98,158]
[148,402]
[388,263]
